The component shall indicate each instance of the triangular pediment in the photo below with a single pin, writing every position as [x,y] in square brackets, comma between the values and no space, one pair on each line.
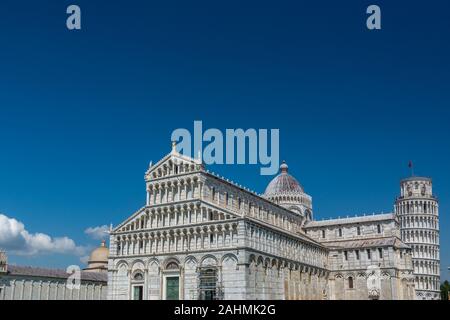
[131,220]
[168,162]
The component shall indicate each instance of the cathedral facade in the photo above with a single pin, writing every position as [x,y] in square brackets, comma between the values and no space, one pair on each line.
[201,236]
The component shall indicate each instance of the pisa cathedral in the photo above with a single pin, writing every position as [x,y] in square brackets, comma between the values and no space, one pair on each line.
[202,237]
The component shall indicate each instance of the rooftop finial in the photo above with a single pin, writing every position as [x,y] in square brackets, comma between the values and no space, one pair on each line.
[174,146]
[284,167]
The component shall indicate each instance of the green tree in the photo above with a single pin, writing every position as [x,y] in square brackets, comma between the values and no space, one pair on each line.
[445,290]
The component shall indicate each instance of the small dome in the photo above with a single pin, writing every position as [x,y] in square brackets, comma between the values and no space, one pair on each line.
[283,183]
[98,260]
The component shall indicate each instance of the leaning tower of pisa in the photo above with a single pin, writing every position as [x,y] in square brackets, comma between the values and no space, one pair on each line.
[418,213]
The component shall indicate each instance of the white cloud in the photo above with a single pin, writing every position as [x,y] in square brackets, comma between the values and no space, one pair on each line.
[97,233]
[84,259]
[15,239]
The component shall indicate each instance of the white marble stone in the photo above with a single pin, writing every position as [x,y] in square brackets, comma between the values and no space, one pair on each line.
[224,242]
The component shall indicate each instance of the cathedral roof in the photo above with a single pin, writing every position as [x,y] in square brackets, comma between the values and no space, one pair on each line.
[367,243]
[26,271]
[350,220]
[283,183]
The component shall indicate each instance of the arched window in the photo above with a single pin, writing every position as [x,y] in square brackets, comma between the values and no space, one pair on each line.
[138,288]
[350,282]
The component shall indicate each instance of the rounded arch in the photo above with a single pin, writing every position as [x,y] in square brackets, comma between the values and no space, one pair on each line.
[123,270]
[208,260]
[153,264]
[138,264]
[275,263]
[259,261]
[122,263]
[170,263]
[190,263]
[228,257]
[190,258]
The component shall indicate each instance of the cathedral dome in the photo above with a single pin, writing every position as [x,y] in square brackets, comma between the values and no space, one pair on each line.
[283,184]
[98,260]
[100,254]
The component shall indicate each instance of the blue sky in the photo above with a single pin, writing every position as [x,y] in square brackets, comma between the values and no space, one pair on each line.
[83,113]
